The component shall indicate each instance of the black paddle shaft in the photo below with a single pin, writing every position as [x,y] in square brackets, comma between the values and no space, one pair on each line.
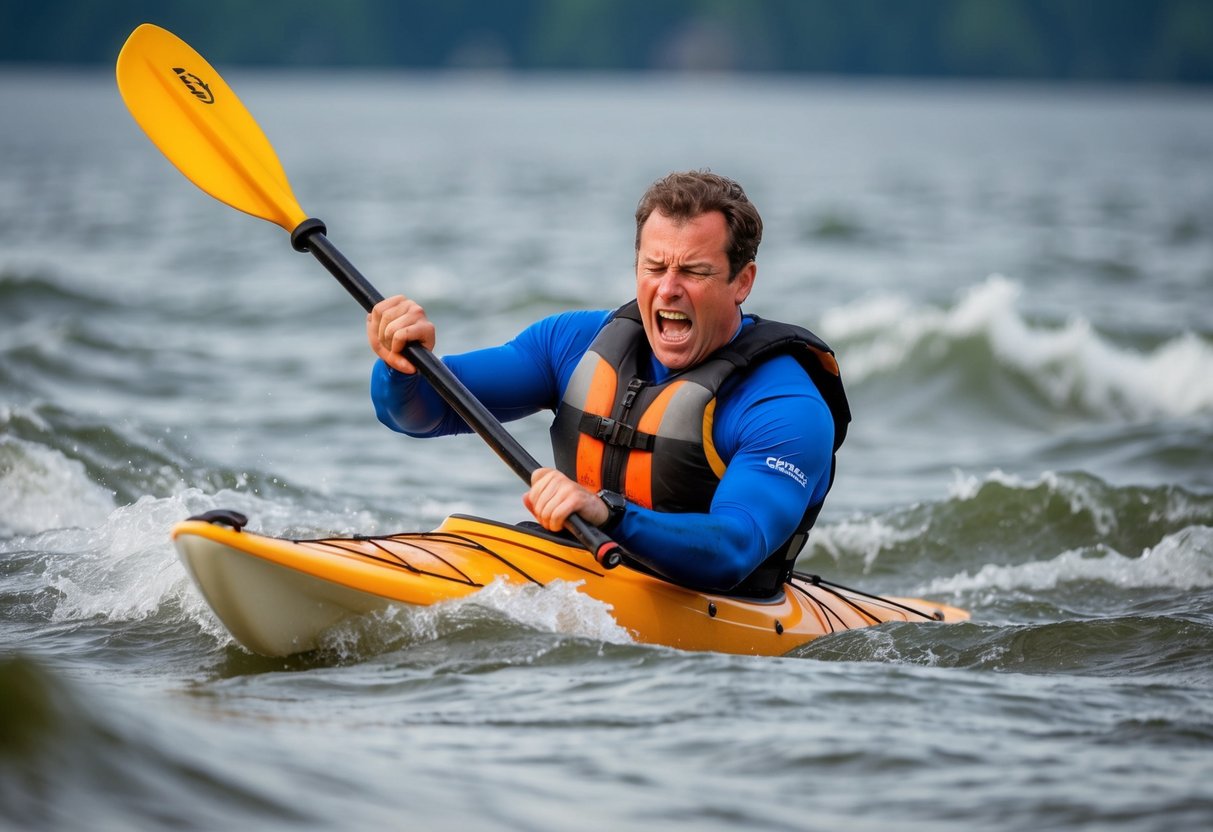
[310,236]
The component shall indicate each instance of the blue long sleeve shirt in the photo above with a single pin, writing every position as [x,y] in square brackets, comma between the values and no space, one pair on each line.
[772,429]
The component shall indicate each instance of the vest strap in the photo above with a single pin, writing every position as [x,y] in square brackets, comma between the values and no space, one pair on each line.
[614,432]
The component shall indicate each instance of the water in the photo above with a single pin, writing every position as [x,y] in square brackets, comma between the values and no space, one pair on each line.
[1019,283]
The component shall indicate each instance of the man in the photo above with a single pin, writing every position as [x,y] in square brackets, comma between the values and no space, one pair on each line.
[700,438]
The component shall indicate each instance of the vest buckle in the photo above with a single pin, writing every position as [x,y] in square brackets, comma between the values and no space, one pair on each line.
[614,432]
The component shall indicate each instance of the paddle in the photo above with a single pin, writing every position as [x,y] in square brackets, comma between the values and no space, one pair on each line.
[195,119]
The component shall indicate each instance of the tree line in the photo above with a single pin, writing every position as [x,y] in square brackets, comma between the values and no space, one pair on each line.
[1166,41]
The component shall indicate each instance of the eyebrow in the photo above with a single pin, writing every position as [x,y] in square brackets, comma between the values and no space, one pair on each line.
[694,266]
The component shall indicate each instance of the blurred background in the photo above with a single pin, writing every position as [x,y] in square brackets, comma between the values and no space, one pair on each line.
[1156,41]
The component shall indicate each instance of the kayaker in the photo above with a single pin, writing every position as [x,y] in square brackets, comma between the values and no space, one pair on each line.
[700,438]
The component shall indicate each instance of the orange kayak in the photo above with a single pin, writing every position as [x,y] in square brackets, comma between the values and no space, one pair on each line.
[278,597]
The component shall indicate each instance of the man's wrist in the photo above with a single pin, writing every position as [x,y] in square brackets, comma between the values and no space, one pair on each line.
[616,506]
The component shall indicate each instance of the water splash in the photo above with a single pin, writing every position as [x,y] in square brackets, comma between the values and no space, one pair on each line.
[558,607]
[124,567]
[41,488]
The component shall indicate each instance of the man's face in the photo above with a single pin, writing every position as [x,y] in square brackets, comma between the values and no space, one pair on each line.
[688,306]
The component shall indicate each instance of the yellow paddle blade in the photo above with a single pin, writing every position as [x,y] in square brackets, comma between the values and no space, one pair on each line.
[196,120]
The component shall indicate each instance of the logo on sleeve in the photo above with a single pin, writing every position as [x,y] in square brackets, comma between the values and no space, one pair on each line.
[785,467]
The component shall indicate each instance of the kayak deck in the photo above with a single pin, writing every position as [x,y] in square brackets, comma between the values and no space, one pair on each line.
[277,597]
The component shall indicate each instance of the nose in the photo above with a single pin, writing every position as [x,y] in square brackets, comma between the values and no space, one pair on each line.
[669,287]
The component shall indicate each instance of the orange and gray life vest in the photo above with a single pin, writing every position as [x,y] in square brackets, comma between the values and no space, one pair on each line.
[652,442]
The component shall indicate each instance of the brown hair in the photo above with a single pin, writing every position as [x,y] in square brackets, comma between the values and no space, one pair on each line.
[684,196]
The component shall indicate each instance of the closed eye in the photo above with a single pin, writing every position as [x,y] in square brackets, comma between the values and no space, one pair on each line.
[697,272]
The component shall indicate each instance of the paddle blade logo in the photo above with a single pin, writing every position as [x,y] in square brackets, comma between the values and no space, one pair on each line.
[197,87]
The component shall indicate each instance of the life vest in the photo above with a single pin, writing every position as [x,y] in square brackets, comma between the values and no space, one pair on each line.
[652,442]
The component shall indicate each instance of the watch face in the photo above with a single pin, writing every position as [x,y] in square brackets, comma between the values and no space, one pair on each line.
[615,502]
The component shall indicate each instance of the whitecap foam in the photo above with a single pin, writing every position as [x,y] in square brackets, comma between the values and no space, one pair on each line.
[1183,560]
[1071,365]
[41,488]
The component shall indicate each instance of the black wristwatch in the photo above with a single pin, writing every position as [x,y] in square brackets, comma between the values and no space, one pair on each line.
[616,505]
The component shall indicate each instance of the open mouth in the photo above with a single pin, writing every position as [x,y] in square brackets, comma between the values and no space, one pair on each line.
[673,326]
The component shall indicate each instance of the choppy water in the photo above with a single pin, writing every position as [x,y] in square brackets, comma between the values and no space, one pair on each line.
[1019,283]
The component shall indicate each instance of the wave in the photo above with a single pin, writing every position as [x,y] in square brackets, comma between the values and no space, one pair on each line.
[92,565]
[1063,574]
[1087,612]
[1005,520]
[124,568]
[102,557]
[1139,647]
[29,293]
[116,587]
[85,515]
[1069,368]
[1183,561]
[60,469]
[66,757]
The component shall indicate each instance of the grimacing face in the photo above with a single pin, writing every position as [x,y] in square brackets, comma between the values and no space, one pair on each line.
[687,303]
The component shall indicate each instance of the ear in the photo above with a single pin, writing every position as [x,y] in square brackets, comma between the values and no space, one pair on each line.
[744,282]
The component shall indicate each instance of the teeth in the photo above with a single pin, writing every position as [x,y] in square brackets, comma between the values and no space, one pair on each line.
[672,316]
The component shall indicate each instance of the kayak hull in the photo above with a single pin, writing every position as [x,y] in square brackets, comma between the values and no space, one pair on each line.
[278,597]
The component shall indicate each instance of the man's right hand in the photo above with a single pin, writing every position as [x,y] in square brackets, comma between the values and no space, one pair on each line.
[553,497]
[394,322]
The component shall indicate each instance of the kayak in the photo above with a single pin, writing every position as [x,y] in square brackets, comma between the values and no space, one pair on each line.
[278,597]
